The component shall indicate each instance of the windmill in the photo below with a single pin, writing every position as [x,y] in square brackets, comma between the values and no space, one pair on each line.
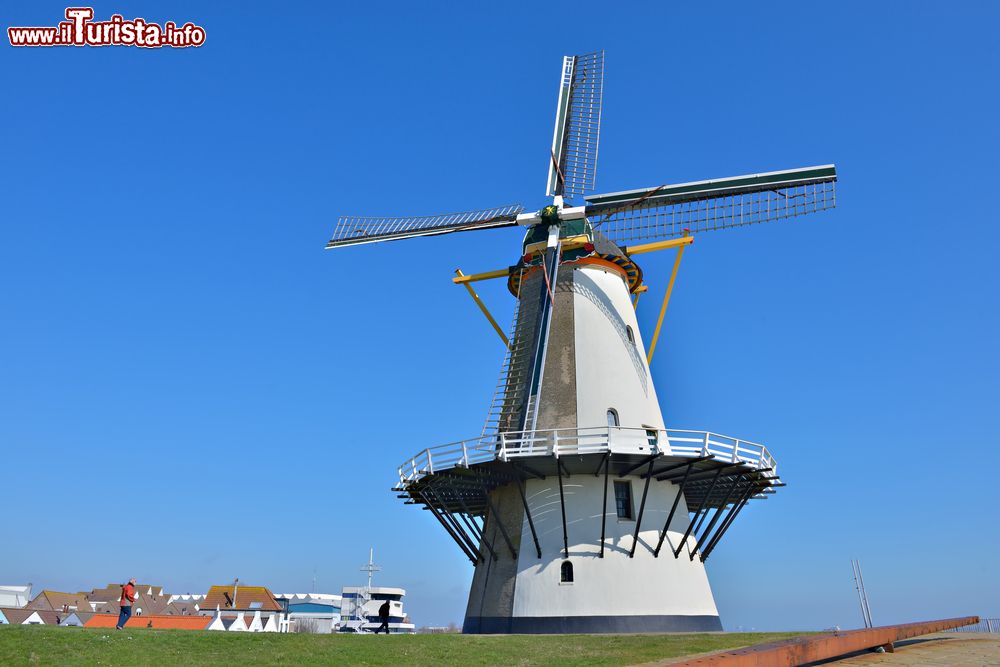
[579,509]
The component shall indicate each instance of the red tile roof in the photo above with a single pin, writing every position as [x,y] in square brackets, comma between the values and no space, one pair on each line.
[155,621]
[222,596]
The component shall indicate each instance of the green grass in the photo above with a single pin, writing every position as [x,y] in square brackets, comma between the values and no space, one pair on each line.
[41,645]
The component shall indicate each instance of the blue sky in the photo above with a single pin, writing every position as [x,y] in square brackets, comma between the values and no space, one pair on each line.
[192,390]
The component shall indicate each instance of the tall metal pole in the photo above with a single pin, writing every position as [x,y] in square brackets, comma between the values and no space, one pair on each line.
[859,586]
[864,596]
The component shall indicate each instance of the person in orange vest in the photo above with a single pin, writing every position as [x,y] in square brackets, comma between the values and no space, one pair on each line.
[127,598]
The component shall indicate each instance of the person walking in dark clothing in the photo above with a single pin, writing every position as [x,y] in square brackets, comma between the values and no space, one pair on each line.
[125,602]
[383,614]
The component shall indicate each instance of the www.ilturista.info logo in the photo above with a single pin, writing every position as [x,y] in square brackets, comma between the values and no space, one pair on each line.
[80,30]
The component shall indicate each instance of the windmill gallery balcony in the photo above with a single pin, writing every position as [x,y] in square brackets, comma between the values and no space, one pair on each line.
[604,440]
[714,472]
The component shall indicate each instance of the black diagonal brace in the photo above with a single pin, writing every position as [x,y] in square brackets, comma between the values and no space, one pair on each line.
[604,460]
[737,506]
[531,472]
[673,508]
[648,459]
[642,508]
[604,505]
[448,516]
[687,533]
[562,506]
[527,512]
[476,530]
[711,524]
[499,522]
[690,462]
[704,474]
[448,528]
[725,526]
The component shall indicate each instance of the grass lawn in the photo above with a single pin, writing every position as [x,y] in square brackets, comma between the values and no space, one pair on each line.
[45,645]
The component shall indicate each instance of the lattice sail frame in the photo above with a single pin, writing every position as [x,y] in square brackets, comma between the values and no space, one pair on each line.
[669,211]
[577,132]
[355,230]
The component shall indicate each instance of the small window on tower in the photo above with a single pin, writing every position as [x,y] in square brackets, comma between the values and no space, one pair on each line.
[623,499]
[631,336]
[612,417]
[566,572]
[652,436]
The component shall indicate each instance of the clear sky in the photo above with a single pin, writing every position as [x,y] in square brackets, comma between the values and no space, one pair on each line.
[192,389]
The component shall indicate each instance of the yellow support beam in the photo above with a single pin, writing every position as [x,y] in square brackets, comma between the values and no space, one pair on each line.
[666,297]
[638,290]
[482,306]
[659,245]
[462,278]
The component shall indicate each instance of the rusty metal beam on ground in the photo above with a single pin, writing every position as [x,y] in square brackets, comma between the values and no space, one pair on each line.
[802,650]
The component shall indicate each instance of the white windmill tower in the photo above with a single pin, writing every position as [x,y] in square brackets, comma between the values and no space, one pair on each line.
[580,510]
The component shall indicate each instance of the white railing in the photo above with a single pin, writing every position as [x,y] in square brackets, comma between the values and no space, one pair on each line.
[597,440]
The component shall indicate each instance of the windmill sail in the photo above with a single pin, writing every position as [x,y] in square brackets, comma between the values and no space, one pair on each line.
[355,230]
[573,163]
[668,210]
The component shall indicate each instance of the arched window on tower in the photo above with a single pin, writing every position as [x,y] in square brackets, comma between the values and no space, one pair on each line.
[612,417]
[566,572]
[631,336]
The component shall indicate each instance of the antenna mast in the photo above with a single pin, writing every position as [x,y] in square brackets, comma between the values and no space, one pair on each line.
[859,584]
[371,568]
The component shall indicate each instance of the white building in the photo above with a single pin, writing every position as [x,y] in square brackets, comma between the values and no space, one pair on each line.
[15,596]
[360,605]
[319,613]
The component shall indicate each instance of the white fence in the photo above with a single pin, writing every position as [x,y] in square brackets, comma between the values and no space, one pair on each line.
[598,440]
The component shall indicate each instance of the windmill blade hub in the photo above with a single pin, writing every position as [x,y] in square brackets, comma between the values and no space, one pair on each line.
[545,215]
